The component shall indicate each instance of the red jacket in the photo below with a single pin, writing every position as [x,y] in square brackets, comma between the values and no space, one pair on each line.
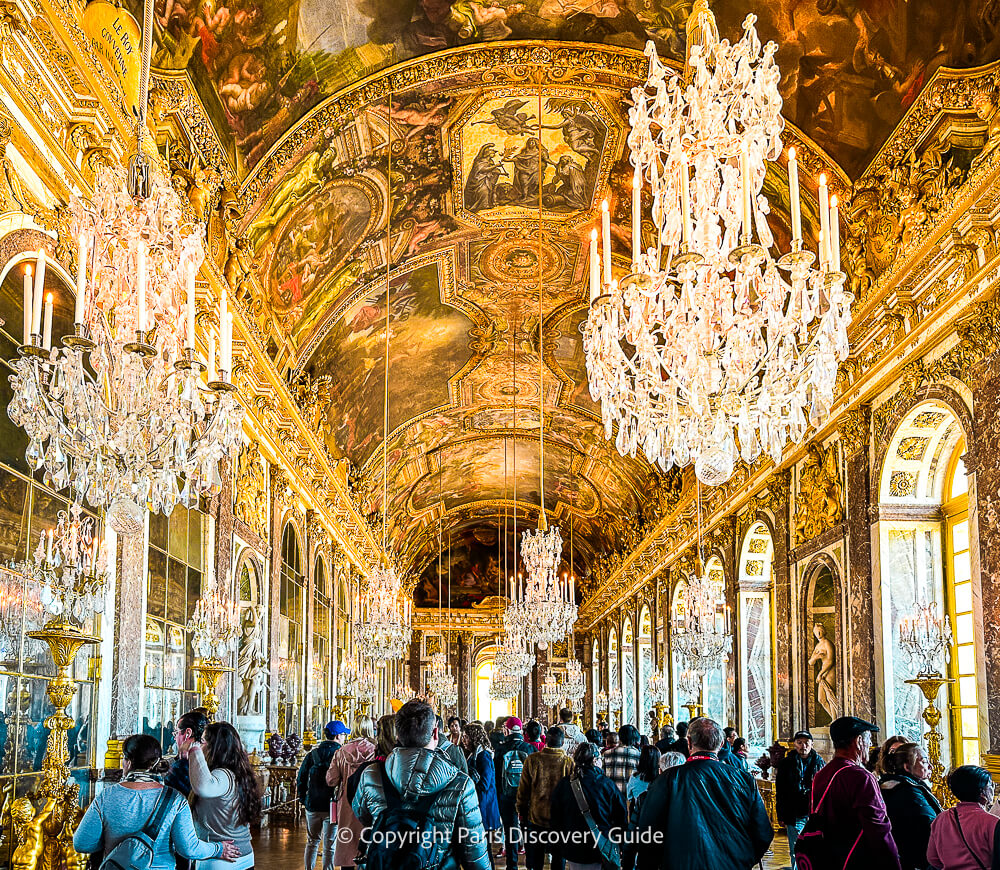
[854,817]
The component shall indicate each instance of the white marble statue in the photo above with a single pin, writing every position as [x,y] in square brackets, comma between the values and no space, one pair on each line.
[824,655]
[250,663]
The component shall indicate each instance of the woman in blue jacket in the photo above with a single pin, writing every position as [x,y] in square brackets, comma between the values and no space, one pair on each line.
[479,752]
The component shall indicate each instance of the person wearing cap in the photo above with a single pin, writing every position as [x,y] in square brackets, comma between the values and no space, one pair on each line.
[848,804]
[317,797]
[793,786]
[512,741]
[703,814]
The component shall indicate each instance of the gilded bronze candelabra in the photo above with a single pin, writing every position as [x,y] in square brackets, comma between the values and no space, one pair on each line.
[209,671]
[46,834]
[930,685]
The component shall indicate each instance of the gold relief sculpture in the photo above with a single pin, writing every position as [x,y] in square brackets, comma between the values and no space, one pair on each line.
[854,430]
[912,447]
[902,484]
[820,501]
[251,492]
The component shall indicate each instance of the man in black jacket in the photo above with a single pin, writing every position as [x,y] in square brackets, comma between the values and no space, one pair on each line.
[681,743]
[793,786]
[316,796]
[512,741]
[703,814]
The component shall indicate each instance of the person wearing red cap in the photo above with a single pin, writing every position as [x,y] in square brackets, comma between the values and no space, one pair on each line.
[509,758]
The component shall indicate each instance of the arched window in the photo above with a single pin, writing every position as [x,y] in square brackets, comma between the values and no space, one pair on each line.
[628,673]
[614,680]
[342,639]
[925,556]
[595,679]
[645,660]
[756,581]
[487,707]
[715,680]
[681,690]
[322,644]
[291,634]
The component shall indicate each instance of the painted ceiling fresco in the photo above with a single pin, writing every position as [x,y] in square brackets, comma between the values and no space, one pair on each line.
[849,69]
[477,198]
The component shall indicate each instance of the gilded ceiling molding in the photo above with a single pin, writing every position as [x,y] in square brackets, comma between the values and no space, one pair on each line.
[819,505]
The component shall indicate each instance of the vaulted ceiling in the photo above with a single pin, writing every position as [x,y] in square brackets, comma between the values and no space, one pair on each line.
[390,141]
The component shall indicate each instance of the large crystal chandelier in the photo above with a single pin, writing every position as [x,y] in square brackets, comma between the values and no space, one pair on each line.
[69,568]
[701,626]
[712,331]
[503,684]
[546,608]
[384,634]
[926,639]
[574,684]
[118,410]
[658,687]
[551,691]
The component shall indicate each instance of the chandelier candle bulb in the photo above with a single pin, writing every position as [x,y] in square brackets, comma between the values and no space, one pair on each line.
[37,297]
[636,226]
[793,197]
[211,359]
[81,280]
[595,268]
[28,297]
[824,223]
[606,236]
[47,329]
[835,233]
[685,204]
[140,292]
[747,210]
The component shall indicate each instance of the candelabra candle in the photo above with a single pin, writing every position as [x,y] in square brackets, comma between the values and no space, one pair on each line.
[926,639]
[215,624]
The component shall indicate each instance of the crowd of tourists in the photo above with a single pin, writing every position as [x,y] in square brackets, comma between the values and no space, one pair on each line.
[412,791]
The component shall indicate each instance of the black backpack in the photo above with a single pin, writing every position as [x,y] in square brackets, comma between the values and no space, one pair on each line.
[319,791]
[401,838]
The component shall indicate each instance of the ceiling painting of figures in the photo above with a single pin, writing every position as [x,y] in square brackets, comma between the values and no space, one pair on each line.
[429,343]
[849,72]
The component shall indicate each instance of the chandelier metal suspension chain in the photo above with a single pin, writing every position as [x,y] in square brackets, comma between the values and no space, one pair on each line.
[385,635]
[549,613]
[713,347]
[118,411]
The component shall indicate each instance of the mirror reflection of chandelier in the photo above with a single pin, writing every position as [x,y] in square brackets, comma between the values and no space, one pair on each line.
[710,333]
[658,686]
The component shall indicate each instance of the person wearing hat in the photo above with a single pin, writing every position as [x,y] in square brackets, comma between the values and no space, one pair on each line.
[316,796]
[508,773]
[793,786]
[848,804]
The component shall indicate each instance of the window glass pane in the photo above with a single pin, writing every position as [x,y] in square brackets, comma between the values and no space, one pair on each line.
[157,593]
[963,598]
[970,749]
[176,591]
[194,548]
[960,536]
[966,659]
[177,544]
[970,722]
[963,628]
[967,691]
[959,483]
[13,516]
[193,592]
[158,531]
[963,569]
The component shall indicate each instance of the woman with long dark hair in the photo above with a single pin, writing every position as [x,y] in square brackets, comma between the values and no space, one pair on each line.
[482,771]
[225,794]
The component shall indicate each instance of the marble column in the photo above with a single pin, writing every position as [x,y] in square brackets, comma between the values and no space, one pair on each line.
[414,659]
[983,458]
[855,437]
[777,502]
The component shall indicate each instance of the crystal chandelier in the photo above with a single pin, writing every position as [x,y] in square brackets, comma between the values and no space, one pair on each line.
[926,639]
[384,634]
[69,568]
[574,684]
[689,685]
[701,626]
[215,624]
[602,701]
[365,686]
[551,691]
[658,686]
[503,684]
[546,607]
[709,333]
[118,410]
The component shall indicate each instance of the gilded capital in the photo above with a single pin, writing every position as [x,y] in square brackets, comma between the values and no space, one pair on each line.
[854,427]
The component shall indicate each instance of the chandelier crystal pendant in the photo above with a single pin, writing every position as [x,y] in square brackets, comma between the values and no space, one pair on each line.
[658,686]
[215,623]
[926,639]
[384,634]
[714,346]
[119,411]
